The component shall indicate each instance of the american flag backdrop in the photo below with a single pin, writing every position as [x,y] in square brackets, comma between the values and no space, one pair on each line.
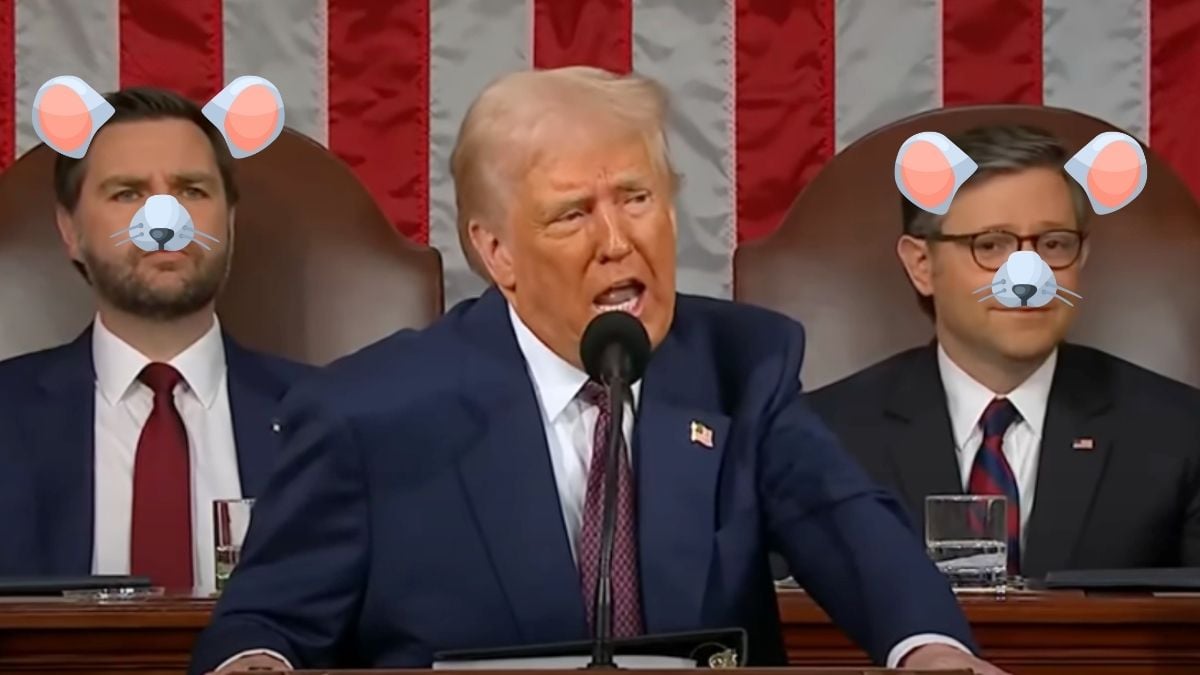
[765,91]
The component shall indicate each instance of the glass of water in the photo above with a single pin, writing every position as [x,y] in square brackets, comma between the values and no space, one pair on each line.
[967,536]
[231,519]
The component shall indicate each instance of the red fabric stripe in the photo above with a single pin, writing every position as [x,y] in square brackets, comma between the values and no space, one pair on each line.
[584,32]
[1174,96]
[784,106]
[8,84]
[992,51]
[378,103]
[174,45]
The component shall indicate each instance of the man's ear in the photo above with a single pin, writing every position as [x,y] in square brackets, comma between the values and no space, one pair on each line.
[914,255]
[493,252]
[68,232]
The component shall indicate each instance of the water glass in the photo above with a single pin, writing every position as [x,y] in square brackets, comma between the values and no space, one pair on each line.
[967,537]
[231,519]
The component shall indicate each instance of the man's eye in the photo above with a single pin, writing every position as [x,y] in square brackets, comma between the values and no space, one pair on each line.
[194,193]
[570,216]
[125,196]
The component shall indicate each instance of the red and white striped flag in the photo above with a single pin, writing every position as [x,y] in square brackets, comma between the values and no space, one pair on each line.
[765,91]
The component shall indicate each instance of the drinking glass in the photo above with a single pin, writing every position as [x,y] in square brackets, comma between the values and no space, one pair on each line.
[231,519]
[967,537]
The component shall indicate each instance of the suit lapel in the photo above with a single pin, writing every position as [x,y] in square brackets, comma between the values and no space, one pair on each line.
[677,479]
[509,482]
[1067,477]
[920,441]
[253,395]
[61,429]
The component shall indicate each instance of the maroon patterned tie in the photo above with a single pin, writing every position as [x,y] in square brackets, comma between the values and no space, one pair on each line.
[627,613]
[161,532]
[992,475]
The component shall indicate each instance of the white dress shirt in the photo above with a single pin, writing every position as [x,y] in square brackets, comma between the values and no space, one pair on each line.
[568,420]
[966,399]
[123,405]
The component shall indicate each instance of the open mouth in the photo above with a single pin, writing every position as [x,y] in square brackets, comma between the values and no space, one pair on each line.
[624,296]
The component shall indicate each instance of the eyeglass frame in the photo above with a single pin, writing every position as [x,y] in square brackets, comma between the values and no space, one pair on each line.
[969,240]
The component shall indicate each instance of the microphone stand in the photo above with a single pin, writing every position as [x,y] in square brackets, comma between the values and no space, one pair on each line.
[602,646]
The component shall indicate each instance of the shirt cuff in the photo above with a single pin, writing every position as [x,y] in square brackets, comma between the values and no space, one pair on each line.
[257,652]
[907,645]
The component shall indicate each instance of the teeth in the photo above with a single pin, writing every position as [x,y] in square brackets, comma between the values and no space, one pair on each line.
[626,306]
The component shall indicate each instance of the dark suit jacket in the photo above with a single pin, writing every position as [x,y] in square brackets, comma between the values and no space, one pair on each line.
[415,509]
[1132,501]
[47,406]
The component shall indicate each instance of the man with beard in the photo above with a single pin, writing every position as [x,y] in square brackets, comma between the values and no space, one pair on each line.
[115,445]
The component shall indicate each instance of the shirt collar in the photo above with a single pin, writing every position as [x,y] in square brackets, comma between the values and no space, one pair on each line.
[556,381]
[967,398]
[118,363]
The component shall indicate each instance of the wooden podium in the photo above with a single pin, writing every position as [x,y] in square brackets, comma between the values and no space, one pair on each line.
[1025,634]
[742,671]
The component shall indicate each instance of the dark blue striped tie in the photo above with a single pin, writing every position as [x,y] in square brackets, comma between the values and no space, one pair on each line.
[992,475]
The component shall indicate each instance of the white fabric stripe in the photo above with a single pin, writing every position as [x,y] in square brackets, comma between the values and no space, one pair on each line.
[62,37]
[688,47]
[285,42]
[472,42]
[1095,60]
[888,57]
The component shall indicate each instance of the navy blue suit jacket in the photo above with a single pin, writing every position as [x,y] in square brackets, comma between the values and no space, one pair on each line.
[415,508]
[47,451]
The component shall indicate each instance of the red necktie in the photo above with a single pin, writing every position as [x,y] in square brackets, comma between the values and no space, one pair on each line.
[992,475]
[627,613]
[161,536]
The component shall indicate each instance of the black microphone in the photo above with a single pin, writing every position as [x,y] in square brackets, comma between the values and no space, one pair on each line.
[615,349]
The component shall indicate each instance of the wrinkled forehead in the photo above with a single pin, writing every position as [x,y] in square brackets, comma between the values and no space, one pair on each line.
[149,147]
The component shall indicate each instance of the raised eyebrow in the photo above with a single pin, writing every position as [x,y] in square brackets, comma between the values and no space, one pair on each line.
[632,185]
[196,177]
[122,181]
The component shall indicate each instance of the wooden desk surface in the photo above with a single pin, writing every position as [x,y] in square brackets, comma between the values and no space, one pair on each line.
[1027,634]
[742,671]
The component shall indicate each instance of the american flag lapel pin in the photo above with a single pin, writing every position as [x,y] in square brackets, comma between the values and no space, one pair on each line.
[1083,444]
[702,434]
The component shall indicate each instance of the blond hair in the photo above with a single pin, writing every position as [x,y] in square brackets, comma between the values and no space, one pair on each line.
[507,124]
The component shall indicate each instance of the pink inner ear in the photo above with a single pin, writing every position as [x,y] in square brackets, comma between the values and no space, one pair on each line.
[1114,174]
[64,117]
[926,173]
[252,117]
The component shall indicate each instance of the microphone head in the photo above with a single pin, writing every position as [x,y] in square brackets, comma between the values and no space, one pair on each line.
[618,332]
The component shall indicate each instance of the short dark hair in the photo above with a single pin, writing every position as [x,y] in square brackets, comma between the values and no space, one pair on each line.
[996,150]
[136,104]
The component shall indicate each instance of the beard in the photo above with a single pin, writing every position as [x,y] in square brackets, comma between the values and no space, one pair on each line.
[121,286]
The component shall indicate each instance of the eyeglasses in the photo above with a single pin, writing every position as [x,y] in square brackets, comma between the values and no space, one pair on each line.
[991,249]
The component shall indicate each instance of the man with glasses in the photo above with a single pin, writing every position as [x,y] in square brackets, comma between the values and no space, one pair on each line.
[1102,457]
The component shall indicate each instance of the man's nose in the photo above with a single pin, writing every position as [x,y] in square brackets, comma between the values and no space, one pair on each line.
[614,242]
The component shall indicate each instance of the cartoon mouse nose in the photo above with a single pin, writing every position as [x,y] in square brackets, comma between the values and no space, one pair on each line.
[1022,291]
[161,235]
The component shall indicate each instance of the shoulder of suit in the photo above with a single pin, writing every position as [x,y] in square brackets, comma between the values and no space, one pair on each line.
[749,325]
[23,369]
